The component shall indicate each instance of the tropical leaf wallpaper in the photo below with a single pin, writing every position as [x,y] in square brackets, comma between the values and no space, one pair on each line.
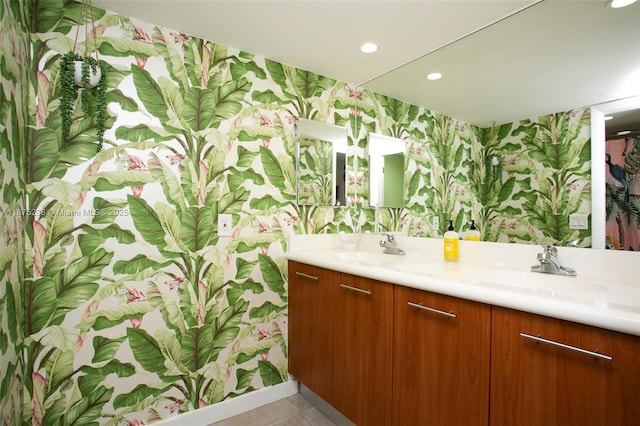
[120,303]
[14,113]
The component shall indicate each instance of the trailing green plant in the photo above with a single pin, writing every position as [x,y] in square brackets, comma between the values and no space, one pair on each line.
[69,93]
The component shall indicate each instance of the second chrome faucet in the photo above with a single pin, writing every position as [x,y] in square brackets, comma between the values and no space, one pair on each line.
[549,263]
[391,245]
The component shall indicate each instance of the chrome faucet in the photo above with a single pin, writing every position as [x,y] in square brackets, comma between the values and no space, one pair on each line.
[550,264]
[573,243]
[390,245]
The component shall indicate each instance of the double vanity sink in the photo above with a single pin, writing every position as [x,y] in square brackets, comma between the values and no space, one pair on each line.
[481,341]
[594,297]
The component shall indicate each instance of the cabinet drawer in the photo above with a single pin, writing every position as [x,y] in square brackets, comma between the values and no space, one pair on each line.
[441,359]
[552,372]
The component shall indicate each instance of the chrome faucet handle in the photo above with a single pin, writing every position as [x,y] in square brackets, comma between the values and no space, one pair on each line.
[549,262]
[390,237]
[390,245]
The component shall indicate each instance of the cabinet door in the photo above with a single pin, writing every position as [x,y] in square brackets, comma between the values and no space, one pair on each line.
[540,382]
[311,294]
[441,359]
[362,350]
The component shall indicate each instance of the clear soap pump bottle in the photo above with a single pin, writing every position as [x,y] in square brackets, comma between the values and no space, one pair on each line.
[451,239]
[472,234]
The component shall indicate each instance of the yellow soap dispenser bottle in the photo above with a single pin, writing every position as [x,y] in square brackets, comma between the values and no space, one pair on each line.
[472,234]
[451,239]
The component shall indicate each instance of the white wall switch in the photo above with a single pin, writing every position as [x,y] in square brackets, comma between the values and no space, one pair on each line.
[435,221]
[224,225]
[579,221]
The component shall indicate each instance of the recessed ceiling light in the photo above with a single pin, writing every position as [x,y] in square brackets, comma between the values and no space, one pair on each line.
[621,3]
[434,76]
[368,48]
[608,117]
[624,132]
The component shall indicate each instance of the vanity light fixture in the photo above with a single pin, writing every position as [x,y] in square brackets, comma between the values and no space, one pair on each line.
[434,76]
[616,4]
[368,48]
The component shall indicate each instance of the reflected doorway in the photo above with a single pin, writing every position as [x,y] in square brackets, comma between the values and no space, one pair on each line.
[600,169]
[622,185]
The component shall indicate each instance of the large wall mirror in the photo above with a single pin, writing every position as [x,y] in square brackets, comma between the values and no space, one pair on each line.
[321,163]
[552,57]
[386,171]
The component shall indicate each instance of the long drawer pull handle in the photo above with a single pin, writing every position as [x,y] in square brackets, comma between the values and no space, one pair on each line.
[435,311]
[562,345]
[311,277]
[359,290]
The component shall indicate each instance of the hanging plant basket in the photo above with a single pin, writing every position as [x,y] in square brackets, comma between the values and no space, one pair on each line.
[87,77]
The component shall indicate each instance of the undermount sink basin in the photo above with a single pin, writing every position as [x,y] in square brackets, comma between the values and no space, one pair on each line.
[400,263]
[365,258]
[623,307]
[532,282]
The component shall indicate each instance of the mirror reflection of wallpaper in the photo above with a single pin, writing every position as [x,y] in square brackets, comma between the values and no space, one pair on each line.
[623,194]
[316,172]
[519,182]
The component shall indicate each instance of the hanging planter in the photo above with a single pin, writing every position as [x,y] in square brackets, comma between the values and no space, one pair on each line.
[86,76]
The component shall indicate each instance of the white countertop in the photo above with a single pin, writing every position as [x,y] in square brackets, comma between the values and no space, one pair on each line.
[605,293]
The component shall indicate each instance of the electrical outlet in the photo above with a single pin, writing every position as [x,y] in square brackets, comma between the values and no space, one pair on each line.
[224,225]
[578,221]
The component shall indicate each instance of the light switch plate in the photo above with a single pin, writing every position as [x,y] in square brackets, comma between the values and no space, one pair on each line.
[578,221]
[224,225]
[435,221]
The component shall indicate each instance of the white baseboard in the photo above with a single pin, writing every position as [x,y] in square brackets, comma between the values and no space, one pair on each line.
[232,407]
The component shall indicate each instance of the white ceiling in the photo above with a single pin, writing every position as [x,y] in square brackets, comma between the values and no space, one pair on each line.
[547,56]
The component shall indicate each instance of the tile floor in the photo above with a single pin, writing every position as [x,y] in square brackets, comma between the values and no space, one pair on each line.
[295,410]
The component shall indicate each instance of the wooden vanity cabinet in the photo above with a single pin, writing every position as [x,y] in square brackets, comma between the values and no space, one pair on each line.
[536,382]
[362,350]
[441,359]
[312,294]
[384,354]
